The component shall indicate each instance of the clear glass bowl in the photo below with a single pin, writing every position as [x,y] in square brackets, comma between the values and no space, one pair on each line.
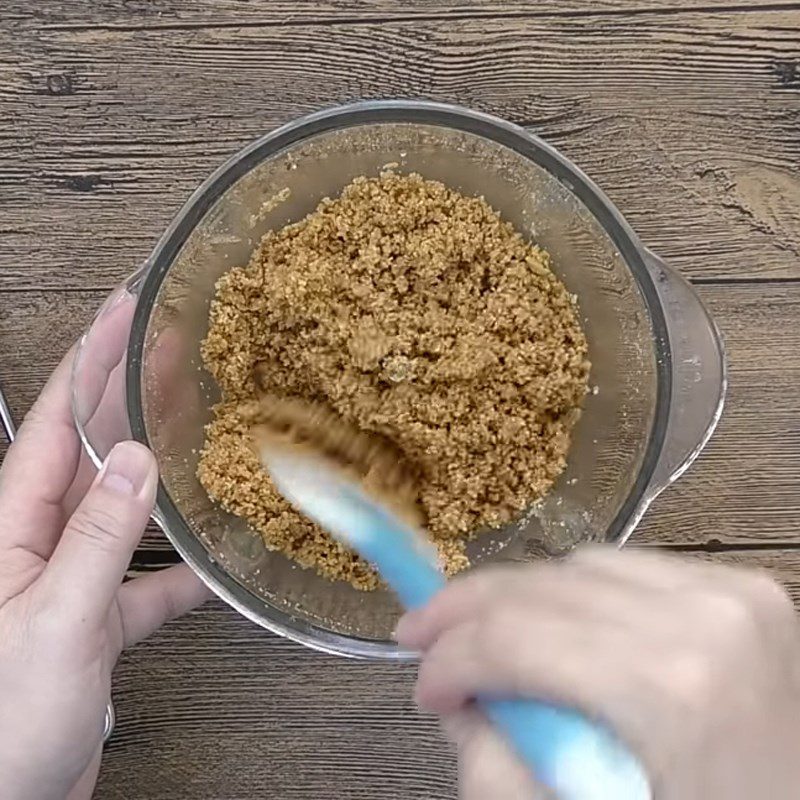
[658,361]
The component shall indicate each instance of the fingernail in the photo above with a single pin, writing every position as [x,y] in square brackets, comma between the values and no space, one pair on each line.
[127,468]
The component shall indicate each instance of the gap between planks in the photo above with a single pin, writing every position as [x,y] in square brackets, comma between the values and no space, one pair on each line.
[149,559]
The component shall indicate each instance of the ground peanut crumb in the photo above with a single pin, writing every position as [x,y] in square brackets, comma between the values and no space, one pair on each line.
[412,312]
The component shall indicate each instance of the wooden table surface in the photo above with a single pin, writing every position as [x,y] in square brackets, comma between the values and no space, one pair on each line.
[687,112]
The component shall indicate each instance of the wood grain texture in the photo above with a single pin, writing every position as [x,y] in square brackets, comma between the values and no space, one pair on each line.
[688,120]
[744,488]
[685,111]
[214,707]
[140,14]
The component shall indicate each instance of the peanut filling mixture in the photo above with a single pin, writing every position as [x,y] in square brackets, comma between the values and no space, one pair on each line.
[413,313]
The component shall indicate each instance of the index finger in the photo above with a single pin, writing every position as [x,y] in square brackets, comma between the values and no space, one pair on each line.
[39,467]
[98,388]
[42,464]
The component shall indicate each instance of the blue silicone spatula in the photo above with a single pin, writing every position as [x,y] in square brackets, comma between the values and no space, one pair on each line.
[576,758]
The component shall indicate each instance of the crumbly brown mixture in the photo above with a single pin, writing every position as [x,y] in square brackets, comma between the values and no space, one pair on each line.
[413,312]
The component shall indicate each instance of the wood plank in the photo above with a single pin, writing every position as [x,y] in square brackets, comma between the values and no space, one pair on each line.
[745,487]
[217,13]
[213,706]
[685,111]
[688,120]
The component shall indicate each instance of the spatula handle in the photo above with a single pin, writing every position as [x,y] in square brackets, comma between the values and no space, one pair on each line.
[575,757]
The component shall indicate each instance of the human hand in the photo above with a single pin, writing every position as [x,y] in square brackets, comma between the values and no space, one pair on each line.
[695,666]
[66,537]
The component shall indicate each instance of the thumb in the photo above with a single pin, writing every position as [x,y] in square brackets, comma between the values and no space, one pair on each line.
[99,539]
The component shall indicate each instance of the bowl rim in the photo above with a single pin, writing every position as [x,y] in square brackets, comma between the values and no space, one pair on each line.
[512,136]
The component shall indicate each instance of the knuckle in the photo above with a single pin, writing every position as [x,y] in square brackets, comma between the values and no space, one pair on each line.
[686,689]
[99,526]
[429,668]
[33,417]
[433,679]
[770,595]
[732,613]
[692,676]
[168,604]
[438,661]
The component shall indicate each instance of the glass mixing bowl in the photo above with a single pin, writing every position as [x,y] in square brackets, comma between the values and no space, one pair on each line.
[658,361]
